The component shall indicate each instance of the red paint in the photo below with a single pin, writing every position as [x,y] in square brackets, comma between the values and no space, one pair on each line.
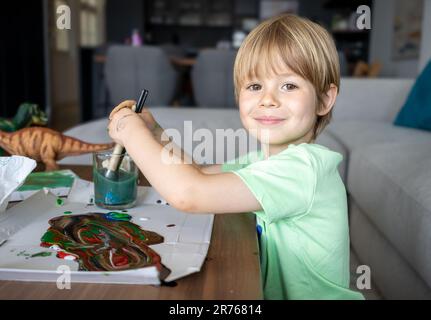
[93,240]
[119,260]
[63,255]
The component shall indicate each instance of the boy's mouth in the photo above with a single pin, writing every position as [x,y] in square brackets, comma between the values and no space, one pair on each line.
[267,120]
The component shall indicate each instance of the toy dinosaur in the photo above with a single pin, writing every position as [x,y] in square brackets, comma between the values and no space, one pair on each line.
[28,114]
[46,145]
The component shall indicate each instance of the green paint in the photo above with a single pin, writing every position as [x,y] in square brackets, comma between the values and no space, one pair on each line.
[117,216]
[41,254]
[23,254]
[67,212]
[53,179]
[117,193]
[59,202]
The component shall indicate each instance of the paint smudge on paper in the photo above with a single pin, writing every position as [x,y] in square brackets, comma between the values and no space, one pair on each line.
[101,243]
[41,254]
[59,202]
[117,216]
[66,256]
[27,255]
[23,254]
[52,179]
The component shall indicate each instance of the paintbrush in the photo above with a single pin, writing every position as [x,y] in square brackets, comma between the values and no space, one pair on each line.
[119,151]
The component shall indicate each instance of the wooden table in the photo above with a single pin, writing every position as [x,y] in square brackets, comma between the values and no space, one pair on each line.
[231,269]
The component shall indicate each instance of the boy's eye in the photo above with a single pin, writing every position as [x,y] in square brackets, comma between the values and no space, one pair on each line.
[289,86]
[254,87]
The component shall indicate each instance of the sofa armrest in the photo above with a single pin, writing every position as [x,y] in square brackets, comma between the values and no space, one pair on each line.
[377,99]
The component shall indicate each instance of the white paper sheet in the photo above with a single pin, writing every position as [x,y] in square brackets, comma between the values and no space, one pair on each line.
[183,251]
[82,191]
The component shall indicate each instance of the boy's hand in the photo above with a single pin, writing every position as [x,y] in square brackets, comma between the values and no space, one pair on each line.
[125,124]
[146,115]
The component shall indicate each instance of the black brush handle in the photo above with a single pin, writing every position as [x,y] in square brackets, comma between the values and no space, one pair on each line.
[141,101]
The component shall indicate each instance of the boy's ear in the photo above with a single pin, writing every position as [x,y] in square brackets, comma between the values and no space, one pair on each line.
[328,100]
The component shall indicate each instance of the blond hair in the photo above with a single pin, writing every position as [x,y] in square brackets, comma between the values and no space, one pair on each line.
[303,46]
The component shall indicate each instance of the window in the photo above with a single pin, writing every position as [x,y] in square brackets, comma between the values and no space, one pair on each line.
[92,22]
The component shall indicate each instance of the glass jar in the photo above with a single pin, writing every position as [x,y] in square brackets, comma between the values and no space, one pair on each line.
[114,190]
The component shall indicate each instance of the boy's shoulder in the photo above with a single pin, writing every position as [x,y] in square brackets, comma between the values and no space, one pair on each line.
[311,150]
[315,155]
[319,157]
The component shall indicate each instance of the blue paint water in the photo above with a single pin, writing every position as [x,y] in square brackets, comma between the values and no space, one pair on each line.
[119,193]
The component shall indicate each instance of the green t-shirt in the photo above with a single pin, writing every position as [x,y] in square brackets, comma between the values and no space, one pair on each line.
[303,227]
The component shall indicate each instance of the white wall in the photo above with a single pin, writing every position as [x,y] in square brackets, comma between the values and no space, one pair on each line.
[382,15]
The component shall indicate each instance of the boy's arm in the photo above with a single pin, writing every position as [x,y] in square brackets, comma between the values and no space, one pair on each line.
[163,139]
[211,169]
[185,186]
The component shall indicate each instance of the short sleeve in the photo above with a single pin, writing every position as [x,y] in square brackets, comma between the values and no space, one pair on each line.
[284,184]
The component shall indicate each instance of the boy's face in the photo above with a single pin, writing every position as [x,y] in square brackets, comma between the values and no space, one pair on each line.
[279,109]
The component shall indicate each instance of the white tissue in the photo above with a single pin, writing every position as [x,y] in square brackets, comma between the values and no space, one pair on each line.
[13,171]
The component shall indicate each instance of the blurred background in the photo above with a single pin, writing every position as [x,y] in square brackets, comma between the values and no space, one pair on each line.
[115,47]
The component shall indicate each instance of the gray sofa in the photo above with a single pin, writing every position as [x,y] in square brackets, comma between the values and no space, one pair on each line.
[386,169]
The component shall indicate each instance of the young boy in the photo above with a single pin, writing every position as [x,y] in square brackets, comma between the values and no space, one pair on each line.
[286,78]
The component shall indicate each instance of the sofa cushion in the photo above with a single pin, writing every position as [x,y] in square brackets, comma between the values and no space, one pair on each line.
[416,112]
[391,183]
[357,134]
[370,99]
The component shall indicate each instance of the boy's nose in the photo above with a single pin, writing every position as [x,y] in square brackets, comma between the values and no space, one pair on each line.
[269,101]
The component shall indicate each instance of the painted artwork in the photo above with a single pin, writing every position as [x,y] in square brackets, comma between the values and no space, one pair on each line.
[407,29]
[149,244]
[103,242]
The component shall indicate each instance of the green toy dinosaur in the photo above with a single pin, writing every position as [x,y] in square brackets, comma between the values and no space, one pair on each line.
[28,114]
